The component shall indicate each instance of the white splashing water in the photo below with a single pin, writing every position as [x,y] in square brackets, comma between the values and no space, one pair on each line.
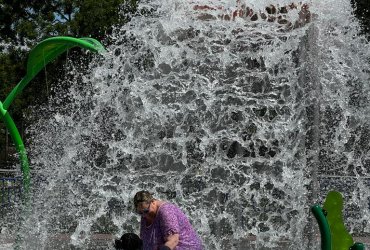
[231,120]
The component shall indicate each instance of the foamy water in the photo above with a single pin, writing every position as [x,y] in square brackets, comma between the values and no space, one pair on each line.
[243,124]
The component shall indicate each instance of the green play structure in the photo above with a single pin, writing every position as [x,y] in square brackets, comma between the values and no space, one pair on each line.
[39,57]
[334,235]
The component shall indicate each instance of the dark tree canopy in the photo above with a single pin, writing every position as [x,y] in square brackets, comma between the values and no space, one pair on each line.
[24,22]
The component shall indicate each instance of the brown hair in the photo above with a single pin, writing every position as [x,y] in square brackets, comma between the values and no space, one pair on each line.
[142,196]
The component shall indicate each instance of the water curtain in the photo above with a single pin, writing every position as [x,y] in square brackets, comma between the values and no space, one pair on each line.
[242,125]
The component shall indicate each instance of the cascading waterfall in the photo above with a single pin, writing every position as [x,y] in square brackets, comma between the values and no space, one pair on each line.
[240,123]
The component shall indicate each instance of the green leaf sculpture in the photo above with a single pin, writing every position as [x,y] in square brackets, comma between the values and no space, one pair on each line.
[333,205]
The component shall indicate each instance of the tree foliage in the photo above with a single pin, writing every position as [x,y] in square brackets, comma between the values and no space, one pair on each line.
[24,22]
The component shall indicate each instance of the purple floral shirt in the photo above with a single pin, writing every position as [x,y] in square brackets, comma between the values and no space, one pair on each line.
[169,220]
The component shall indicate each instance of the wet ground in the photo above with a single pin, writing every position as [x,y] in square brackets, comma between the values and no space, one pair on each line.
[105,241]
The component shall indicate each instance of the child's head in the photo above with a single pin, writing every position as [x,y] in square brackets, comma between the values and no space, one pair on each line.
[128,241]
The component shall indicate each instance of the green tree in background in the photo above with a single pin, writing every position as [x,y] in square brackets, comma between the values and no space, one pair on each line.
[105,13]
[24,22]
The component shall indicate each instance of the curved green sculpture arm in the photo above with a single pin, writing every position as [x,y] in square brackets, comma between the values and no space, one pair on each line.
[14,133]
[40,55]
[45,52]
[324,227]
